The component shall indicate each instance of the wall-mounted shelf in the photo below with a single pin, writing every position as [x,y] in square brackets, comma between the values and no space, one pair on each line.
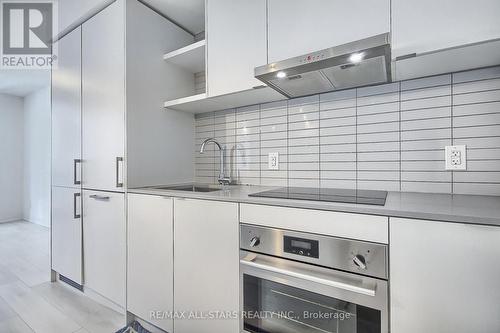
[190,58]
[201,103]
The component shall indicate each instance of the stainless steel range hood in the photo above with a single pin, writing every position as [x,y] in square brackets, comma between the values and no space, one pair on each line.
[360,63]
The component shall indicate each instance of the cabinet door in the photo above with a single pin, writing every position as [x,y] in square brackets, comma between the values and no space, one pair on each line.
[67,233]
[150,257]
[103,73]
[428,25]
[66,112]
[206,263]
[104,236]
[444,277]
[236,44]
[297,27]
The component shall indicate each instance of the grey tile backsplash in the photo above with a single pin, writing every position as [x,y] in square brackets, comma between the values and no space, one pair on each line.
[388,137]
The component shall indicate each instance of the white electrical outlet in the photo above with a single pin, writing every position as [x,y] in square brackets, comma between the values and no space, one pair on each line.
[456,157]
[273,161]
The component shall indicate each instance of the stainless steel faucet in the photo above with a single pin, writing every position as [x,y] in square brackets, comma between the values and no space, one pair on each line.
[223,180]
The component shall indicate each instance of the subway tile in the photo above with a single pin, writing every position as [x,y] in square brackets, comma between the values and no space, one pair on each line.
[274,143]
[378,137]
[426,134]
[304,133]
[423,155]
[378,108]
[488,142]
[488,165]
[477,177]
[426,124]
[337,131]
[342,148]
[379,128]
[425,144]
[379,175]
[281,182]
[426,93]
[303,150]
[423,176]
[303,166]
[304,158]
[483,154]
[338,183]
[476,132]
[476,189]
[432,102]
[426,113]
[274,173]
[478,74]
[274,109]
[273,121]
[282,127]
[378,118]
[247,113]
[329,174]
[378,165]
[303,117]
[309,141]
[477,97]
[470,109]
[378,156]
[378,90]
[413,165]
[305,125]
[346,121]
[294,182]
[273,136]
[426,82]
[248,123]
[378,185]
[378,99]
[340,113]
[338,157]
[303,174]
[338,166]
[477,120]
[338,99]
[377,146]
[429,187]
[303,105]
[474,86]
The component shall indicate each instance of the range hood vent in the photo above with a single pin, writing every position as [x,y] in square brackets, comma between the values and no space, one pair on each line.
[360,63]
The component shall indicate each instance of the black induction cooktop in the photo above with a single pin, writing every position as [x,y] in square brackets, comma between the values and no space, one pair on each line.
[365,197]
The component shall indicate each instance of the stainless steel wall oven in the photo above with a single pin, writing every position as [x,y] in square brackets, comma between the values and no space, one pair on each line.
[306,283]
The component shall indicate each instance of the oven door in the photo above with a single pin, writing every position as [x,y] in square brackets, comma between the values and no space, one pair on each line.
[280,295]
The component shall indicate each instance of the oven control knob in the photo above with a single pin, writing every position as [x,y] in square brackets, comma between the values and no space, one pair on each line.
[255,241]
[359,261]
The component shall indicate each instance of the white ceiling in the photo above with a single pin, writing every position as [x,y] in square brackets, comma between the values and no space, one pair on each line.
[23,82]
[189,14]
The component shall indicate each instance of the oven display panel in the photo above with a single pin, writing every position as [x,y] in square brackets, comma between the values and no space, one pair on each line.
[301,246]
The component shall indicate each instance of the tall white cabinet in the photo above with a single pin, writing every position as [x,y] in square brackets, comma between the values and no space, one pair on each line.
[103,91]
[66,227]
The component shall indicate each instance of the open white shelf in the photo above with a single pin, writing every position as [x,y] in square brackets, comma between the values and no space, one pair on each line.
[191,57]
[201,103]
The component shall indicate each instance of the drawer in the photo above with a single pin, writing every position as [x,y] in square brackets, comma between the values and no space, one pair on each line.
[356,226]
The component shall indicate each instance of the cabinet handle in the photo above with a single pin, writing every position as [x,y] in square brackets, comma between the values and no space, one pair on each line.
[259,87]
[99,197]
[75,196]
[75,176]
[118,161]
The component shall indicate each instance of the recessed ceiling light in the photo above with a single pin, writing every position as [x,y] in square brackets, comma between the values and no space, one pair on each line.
[281,75]
[356,57]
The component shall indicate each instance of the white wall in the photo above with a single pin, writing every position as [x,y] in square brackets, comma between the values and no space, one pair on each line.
[37,157]
[71,11]
[11,162]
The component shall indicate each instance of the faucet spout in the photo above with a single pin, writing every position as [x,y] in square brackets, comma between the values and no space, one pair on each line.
[223,180]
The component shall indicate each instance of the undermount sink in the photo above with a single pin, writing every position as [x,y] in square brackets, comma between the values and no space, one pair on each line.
[189,188]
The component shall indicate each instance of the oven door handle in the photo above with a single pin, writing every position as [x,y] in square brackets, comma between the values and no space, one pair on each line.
[310,278]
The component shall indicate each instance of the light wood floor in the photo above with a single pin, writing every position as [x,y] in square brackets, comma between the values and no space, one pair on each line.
[29,302]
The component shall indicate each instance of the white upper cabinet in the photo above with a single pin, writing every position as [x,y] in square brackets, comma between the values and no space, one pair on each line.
[103,81]
[236,44]
[66,112]
[297,27]
[428,25]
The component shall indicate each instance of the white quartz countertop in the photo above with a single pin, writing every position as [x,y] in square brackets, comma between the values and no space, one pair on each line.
[472,209]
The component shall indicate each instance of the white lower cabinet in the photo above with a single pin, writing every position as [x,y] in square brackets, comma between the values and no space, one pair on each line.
[104,234]
[150,258]
[67,233]
[206,264]
[444,277]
